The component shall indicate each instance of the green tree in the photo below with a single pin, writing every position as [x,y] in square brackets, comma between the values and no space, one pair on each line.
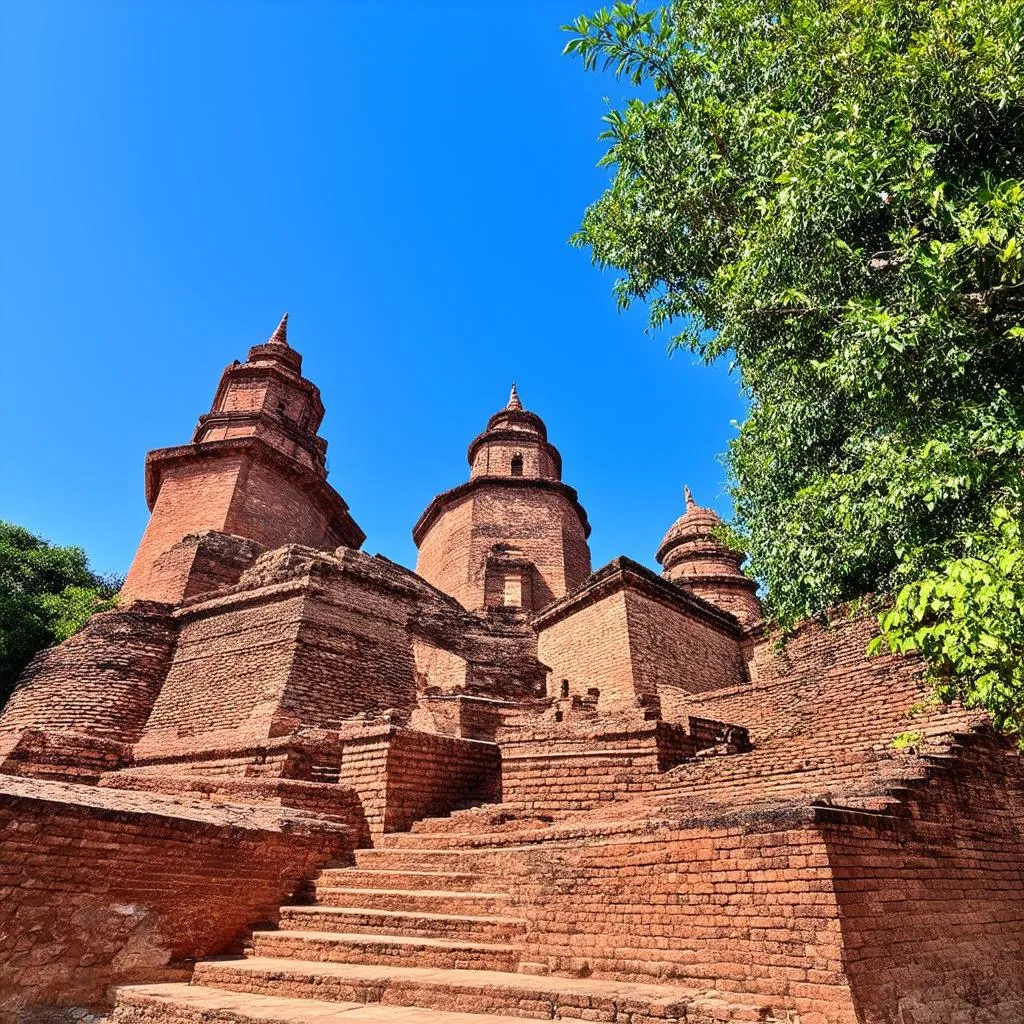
[830,195]
[47,593]
[965,618]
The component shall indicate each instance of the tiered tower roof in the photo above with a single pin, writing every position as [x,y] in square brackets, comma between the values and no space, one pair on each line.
[692,556]
[513,516]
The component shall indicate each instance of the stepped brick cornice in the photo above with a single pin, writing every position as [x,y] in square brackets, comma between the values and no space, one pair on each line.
[341,523]
[447,498]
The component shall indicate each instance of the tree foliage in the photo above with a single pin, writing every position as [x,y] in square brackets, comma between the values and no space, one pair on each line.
[830,194]
[47,593]
[965,618]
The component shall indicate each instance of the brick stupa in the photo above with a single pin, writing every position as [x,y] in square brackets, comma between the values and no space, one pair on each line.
[286,780]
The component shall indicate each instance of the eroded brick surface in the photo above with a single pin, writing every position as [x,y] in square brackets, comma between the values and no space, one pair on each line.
[99,886]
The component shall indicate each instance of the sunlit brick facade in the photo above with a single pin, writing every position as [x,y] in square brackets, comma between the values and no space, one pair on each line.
[503,785]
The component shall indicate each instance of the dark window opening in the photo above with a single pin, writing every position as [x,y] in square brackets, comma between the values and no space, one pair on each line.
[517,465]
[281,407]
[565,687]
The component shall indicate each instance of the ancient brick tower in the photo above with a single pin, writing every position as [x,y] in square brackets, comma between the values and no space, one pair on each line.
[255,470]
[513,535]
[694,558]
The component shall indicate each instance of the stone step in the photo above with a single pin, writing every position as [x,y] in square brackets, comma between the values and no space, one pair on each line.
[464,859]
[431,841]
[197,1004]
[457,821]
[486,836]
[464,927]
[431,901]
[424,859]
[376,878]
[396,950]
[481,992]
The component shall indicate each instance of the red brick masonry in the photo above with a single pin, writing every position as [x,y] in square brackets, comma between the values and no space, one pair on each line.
[604,796]
[99,886]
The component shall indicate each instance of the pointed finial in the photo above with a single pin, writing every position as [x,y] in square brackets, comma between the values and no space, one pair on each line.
[513,399]
[688,494]
[280,335]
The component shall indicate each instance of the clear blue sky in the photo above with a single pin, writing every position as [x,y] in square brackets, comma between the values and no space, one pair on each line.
[402,178]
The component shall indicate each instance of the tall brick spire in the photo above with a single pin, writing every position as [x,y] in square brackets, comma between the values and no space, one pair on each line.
[256,469]
[277,350]
[280,335]
[513,400]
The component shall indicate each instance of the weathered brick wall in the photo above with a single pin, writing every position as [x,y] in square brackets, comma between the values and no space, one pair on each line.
[744,907]
[353,654]
[285,757]
[201,563]
[322,798]
[756,892]
[502,658]
[675,654]
[310,640]
[430,776]
[443,558]
[932,905]
[70,756]
[542,783]
[363,768]
[218,560]
[913,913]
[285,399]
[542,524]
[822,717]
[731,594]
[635,643]
[101,682]
[590,649]
[473,718]
[881,922]
[244,394]
[495,459]
[820,664]
[569,767]
[402,775]
[509,581]
[437,669]
[229,672]
[193,497]
[272,508]
[240,487]
[575,554]
[99,887]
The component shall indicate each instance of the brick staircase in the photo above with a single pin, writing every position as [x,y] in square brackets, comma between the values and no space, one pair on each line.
[420,929]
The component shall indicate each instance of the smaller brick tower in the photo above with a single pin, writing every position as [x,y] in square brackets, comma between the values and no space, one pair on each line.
[513,535]
[692,557]
[253,477]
